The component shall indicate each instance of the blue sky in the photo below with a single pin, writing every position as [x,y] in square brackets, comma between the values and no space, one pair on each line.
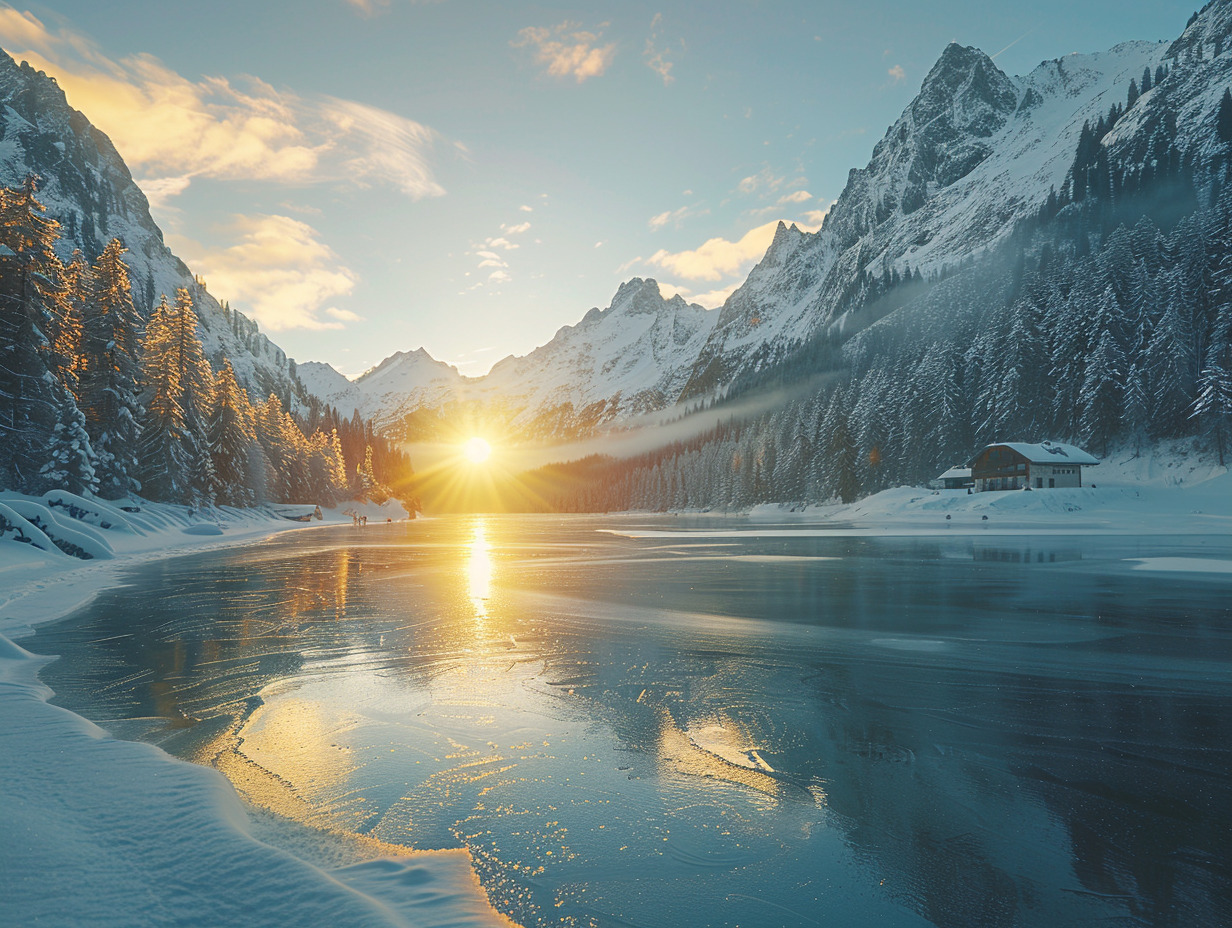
[366,176]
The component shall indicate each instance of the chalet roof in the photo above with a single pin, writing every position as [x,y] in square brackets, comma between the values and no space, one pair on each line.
[1045,452]
[955,472]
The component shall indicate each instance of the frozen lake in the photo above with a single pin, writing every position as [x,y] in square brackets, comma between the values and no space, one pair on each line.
[670,722]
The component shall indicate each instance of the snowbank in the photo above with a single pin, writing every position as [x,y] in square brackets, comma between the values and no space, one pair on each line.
[98,831]
[1171,492]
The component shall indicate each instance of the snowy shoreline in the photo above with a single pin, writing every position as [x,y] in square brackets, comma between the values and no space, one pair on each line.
[97,829]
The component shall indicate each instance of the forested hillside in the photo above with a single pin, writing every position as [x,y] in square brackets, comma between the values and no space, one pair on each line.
[97,400]
[1105,320]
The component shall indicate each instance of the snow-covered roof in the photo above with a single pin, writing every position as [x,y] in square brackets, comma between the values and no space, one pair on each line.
[1045,452]
[955,472]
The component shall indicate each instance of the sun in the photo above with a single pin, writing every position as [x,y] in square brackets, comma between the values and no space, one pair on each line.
[477,450]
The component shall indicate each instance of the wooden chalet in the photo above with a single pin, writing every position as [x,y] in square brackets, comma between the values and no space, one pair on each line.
[1015,465]
[956,478]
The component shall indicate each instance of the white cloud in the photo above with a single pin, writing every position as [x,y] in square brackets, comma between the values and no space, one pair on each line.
[897,73]
[717,257]
[655,54]
[160,191]
[491,259]
[813,218]
[796,196]
[489,251]
[526,209]
[709,299]
[566,50]
[764,180]
[172,129]
[278,271]
[344,315]
[674,217]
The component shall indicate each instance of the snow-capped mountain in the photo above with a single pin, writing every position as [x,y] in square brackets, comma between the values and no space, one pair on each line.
[973,155]
[632,357]
[88,189]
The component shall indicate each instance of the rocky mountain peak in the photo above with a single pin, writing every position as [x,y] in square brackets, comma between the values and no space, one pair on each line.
[638,297]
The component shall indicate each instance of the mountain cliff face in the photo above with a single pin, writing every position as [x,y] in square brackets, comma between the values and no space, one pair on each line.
[973,155]
[88,189]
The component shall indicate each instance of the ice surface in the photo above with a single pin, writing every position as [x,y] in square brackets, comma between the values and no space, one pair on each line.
[101,832]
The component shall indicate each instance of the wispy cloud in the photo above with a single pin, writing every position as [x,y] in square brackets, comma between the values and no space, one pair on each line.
[373,7]
[493,253]
[674,217]
[567,50]
[656,52]
[897,74]
[763,182]
[279,271]
[170,129]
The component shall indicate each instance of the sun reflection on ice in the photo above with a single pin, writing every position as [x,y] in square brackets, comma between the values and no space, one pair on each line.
[479,570]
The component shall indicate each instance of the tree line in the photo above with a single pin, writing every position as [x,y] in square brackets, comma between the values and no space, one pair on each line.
[97,400]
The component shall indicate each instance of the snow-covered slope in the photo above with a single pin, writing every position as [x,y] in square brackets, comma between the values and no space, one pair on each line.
[324,382]
[630,358]
[405,381]
[88,189]
[975,153]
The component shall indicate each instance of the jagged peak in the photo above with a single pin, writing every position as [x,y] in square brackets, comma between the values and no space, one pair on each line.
[418,357]
[965,73]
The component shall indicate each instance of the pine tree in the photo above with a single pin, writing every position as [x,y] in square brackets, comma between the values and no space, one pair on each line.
[1223,120]
[167,447]
[196,385]
[110,371]
[232,440]
[269,429]
[1102,393]
[42,445]
[1213,406]
[1169,366]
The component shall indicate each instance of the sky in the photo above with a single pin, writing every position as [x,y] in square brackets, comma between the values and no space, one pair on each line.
[371,176]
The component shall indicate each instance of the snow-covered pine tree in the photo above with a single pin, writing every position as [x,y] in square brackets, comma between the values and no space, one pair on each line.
[1213,406]
[1169,366]
[1103,392]
[42,444]
[166,446]
[269,423]
[111,330]
[196,384]
[231,441]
